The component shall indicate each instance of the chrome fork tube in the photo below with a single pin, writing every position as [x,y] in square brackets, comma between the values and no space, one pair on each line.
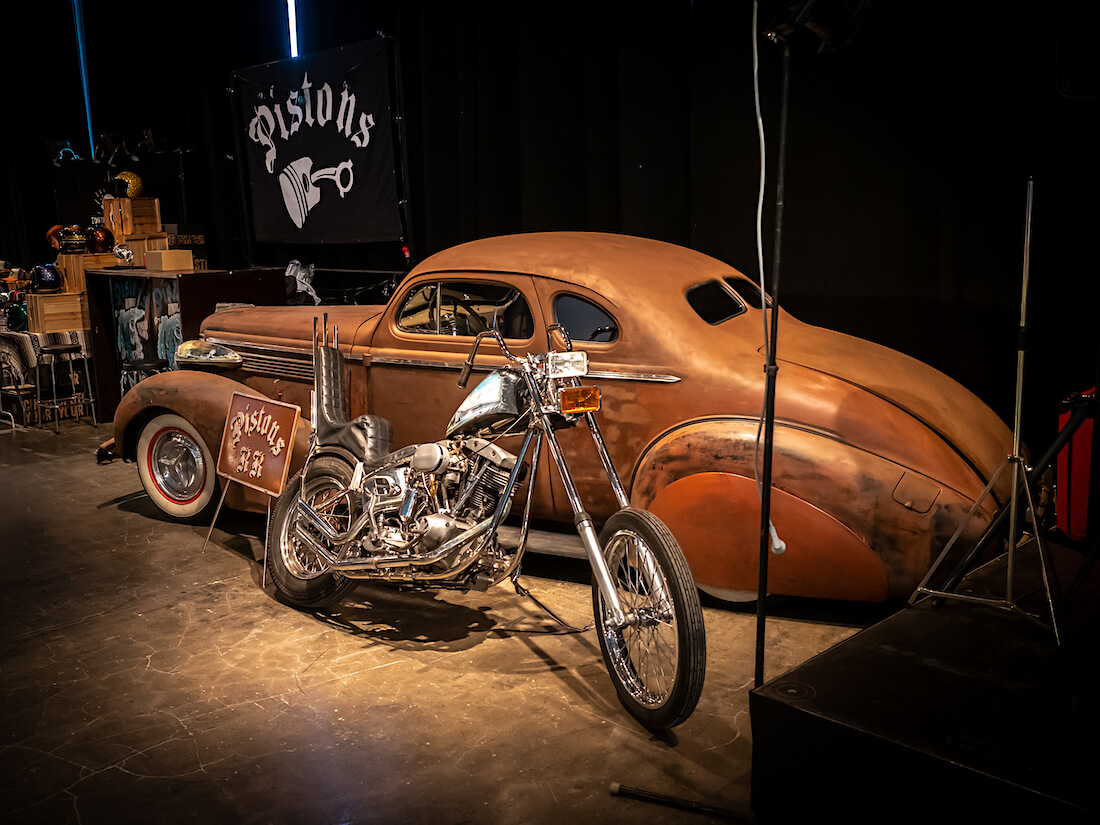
[587,531]
[605,457]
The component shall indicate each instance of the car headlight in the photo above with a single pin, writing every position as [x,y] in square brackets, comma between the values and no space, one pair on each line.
[205,353]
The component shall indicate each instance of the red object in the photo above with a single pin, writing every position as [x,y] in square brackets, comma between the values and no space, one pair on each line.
[1073,478]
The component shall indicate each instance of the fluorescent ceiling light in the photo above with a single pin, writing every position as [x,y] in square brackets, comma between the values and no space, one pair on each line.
[292,24]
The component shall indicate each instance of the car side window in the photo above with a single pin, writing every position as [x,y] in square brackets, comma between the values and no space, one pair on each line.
[715,302]
[466,308]
[420,310]
[583,320]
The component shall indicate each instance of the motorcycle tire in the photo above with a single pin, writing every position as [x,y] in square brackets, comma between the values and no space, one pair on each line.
[300,576]
[177,469]
[657,666]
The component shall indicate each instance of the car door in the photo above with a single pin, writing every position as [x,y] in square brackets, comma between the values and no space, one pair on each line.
[419,347]
[636,394]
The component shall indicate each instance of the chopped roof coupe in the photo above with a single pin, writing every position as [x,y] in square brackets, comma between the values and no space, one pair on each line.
[877,457]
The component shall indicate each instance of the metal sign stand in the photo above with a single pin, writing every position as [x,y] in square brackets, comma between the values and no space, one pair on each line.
[267,532]
[267,528]
[1020,481]
[218,509]
[251,424]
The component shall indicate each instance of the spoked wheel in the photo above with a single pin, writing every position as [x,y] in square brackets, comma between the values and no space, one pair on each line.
[657,662]
[301,576]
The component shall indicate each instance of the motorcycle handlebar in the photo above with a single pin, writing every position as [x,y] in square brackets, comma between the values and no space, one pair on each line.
[468,364]
[464,376]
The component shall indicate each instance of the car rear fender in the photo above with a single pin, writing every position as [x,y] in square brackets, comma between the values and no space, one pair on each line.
[857,525]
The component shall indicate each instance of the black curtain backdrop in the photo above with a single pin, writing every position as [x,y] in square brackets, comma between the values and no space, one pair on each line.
[318,143]
[908,157]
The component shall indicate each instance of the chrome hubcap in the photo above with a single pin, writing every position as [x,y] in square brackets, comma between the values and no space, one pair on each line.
[177,466]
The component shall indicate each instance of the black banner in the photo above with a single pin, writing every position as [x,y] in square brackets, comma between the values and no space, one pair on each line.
[320,148]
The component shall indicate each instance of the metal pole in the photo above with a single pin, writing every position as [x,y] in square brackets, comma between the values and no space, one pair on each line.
[1021,346]
[771,369]
[236,118]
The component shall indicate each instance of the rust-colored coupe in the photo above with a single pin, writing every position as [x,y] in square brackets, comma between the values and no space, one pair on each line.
[877,459]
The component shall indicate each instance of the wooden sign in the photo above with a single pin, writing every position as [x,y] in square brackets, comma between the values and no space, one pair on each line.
[257,442]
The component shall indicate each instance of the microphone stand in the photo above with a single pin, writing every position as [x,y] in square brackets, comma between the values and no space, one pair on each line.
[1022,482]
[771,369]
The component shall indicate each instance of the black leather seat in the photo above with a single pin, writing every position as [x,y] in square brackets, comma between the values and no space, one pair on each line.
[368,437]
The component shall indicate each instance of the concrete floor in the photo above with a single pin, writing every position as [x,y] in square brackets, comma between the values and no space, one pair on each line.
[142,680]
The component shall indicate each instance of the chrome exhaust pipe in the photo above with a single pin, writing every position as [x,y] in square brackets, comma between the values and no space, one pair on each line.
[374,562]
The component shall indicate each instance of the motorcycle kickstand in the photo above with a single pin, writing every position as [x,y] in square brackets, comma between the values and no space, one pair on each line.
[523,591]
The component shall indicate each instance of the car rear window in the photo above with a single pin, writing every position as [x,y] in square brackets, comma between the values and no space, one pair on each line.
[717,301]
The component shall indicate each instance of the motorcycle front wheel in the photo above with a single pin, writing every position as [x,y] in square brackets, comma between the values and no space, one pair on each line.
[303,578]
[658,662]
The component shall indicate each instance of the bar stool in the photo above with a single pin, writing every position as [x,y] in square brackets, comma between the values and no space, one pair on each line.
[21,392]
[56,351]
[137,370]
[3,386]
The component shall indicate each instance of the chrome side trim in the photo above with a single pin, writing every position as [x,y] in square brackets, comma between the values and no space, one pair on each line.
[645,377]
[305,353]
[413,362]
[261,361]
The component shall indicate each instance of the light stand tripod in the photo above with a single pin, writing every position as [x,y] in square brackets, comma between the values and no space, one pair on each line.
[1021,481]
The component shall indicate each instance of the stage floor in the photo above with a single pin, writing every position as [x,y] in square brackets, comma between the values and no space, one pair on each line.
[143,680]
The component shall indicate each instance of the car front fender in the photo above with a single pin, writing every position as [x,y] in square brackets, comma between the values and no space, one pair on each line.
[857,526]
[203,399]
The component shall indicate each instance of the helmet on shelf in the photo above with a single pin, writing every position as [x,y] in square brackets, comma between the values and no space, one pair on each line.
[17,316]
[46,278]
[72,239]
[100,239]
[133,183]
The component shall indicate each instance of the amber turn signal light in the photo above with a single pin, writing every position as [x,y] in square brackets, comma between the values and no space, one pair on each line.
[579,400]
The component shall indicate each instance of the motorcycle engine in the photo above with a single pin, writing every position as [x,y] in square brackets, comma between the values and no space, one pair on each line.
[444,489]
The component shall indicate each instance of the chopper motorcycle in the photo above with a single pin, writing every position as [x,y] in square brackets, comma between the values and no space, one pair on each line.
[427,516]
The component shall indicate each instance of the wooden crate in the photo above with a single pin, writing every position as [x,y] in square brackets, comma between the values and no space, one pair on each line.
[169,259]
[73,267]
[140,244]
[59,312]
[132,216]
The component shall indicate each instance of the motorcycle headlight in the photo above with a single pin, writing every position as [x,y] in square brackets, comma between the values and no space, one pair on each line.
[567,364]
[205,353]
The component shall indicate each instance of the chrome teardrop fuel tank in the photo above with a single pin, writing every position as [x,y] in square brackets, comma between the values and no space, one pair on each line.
[494,401]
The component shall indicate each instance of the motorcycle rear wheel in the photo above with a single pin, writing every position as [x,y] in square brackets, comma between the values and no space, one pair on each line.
[302,578]
[658,664]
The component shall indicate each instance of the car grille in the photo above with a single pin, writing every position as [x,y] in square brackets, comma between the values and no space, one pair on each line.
[281,362]
[294,367]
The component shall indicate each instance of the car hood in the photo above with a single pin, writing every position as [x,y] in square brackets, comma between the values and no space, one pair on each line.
[939,403]
[292,326]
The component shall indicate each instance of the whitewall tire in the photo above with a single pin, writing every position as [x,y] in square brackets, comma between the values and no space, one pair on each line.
[176,467]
